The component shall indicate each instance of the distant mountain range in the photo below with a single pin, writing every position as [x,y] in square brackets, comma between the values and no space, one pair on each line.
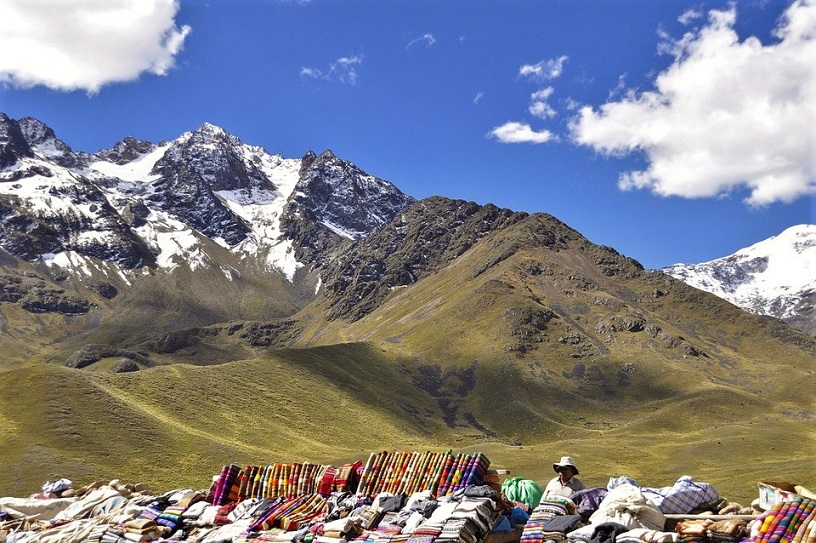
[775,277]
[203,298]
[142,204]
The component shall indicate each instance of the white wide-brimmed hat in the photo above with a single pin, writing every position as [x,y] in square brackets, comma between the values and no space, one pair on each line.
[566,461]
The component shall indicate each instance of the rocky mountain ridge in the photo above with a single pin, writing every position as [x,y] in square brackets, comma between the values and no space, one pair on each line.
[144,205]
[209,205]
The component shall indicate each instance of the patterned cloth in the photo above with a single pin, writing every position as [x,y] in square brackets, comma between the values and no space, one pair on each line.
[789,521]
[682,497]
[409,472]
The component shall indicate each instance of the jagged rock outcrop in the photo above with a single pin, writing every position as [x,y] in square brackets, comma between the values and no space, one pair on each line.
[35,295]
[13,144]
[333,202]
[141,204]
[425,236]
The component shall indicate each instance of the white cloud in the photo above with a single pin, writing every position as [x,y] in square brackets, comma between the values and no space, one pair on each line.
[513,132]
[690,16]
[427,38]
[726,115]
[539,105]
[85,44]
[571,104]
[344,70]
[478,98]
[544,70]
[311,72]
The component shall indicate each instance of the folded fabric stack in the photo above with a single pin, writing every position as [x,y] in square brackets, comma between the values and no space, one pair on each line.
[425,533]
[275,535]
[727,531]
[645,535]
[388,528]
[557,528]
[693,531]
[346,528]
[171,517]
[458,530]
[96,533]
[153,509]
[113,534]
[547,509]
[551,507]
[369,517]
[290,514]
[142,529]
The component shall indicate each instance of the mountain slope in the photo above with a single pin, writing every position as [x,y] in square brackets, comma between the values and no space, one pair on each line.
[286,406]
[177,234]
[302,309]
[775,277]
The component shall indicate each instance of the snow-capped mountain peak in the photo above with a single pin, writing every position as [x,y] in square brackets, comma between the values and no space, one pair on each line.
[144,204]
[776,276]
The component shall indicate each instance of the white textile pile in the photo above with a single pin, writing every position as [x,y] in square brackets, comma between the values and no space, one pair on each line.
[626,505]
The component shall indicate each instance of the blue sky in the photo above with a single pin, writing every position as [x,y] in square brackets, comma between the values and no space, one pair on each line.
[671,131]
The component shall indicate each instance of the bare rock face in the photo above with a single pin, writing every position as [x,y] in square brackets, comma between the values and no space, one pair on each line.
[114,205]
[92,353]
[35,295]
[41,137]
[125,151]
[13,144]
[335,202]
[424,237]
[126,365]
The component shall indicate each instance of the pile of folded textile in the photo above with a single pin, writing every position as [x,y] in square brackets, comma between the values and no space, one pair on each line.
[274,503]
[465,516]
[535,530]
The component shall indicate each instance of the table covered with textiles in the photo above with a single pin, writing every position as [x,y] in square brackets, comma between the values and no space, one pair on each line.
[394,497]
[627,513]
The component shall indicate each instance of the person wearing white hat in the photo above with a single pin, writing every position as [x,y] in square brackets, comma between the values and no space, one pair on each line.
[566,482]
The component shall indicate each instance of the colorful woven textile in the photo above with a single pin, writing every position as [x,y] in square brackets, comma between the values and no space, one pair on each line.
[789,521]
[408,472]
[226,485]
[269,481]
[290,514]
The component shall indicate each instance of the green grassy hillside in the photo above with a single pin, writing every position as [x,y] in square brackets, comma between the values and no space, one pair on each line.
[177,425]
[528,344]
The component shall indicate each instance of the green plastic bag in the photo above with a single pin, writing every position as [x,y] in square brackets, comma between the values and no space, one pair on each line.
[522,490]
